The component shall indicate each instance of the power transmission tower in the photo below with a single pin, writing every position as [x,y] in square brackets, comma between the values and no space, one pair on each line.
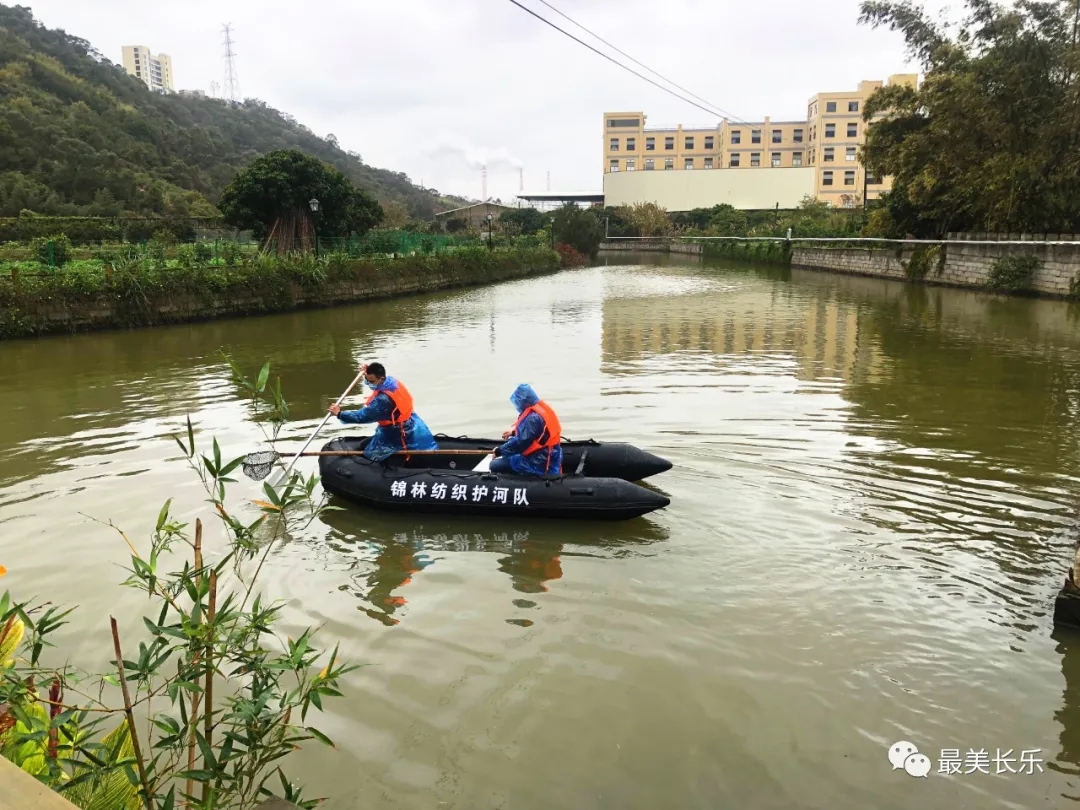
[214,86]
[231,89]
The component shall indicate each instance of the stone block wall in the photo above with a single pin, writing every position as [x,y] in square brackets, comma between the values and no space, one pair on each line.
[964,265]
[658,245]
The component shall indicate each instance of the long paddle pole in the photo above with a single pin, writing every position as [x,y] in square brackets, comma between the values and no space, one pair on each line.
[276,481]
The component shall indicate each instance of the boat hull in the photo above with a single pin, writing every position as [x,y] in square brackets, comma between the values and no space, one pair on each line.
[602,459]
[413,486]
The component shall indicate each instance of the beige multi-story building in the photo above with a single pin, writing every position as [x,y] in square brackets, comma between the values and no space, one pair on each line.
[153,70]
[828,140]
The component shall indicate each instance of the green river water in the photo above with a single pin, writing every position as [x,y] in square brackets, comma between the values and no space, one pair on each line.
[874,501]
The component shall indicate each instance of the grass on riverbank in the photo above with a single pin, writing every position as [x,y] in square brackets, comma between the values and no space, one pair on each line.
[144,292]
[755,252]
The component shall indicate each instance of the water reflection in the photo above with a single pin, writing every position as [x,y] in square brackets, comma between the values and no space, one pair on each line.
[1068,714]
[385,554]
[726,320]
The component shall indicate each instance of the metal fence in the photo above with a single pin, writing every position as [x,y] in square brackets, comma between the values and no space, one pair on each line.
[1029,240]
[50,257]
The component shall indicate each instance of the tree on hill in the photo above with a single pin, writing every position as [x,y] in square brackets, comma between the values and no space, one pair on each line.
[271,198]
[991,139]
[73,125]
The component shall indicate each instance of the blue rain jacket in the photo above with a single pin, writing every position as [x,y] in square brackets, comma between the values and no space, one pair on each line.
[387,438]
[528,431]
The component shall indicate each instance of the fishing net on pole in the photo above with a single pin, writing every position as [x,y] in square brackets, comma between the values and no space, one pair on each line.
[258,465]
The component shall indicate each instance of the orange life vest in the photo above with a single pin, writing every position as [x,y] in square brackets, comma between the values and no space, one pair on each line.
[552,433]
[403,405]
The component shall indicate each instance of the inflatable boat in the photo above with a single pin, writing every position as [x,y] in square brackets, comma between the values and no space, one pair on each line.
[449,484]
[602,459]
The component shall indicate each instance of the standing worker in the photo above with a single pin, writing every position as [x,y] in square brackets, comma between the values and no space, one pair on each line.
[532,444]
[391,406]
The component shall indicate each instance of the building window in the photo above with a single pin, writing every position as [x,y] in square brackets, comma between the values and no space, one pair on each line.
[623,122]
[796,135]
[849,177]
[613,165]
[650,144]
[853,130]
[669,164]
[733,161]
[709,143]
[828,157]
[669,142]
[777,136]
[631,144]
[853,106]
[830,106]
[688,163]
[614,145]
[736,136]
[755,158]
[776,160]
[849,153]
[796,158]
[630,165]
[690,143]
[648,164]
[826,178]
[755,136]
[830,130]
[708,163]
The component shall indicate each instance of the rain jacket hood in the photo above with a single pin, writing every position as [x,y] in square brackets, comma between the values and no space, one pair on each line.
[523,397]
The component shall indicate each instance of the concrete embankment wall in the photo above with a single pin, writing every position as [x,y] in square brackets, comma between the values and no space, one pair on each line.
[956,264]
[648,246]
[69,302]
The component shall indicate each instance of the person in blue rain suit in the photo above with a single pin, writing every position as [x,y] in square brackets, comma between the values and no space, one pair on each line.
[391,407]
[532,443]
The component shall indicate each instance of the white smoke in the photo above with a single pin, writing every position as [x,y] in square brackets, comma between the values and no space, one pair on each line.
[474,158]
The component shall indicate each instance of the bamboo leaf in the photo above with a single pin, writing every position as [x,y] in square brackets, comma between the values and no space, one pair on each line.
[318,735]
[264,375]
[163,515]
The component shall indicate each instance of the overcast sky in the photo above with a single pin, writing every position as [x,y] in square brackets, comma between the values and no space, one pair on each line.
[432,88]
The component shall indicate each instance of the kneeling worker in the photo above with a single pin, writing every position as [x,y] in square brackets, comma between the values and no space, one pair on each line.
[391,406]
[532,444]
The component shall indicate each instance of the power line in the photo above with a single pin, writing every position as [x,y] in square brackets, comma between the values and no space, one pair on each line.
[726,114]
[616,62]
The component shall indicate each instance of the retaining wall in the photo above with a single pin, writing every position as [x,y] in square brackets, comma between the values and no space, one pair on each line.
[962,265]
[62,303]
[659,245]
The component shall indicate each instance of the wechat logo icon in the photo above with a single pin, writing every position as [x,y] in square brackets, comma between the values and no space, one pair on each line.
[905,755]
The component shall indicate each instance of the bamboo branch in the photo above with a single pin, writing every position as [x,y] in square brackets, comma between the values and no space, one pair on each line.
[209,707]
[148,799]
[193,719]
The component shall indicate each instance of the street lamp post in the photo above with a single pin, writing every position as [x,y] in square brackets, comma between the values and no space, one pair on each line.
[314,205]
[489,231]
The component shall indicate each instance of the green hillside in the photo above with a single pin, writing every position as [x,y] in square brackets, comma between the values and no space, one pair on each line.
[78,136]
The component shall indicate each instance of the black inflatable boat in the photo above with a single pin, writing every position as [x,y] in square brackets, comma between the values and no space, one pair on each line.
[448,484]
[602,459]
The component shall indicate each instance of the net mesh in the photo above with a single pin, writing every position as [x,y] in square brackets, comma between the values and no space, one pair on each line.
[258,465]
